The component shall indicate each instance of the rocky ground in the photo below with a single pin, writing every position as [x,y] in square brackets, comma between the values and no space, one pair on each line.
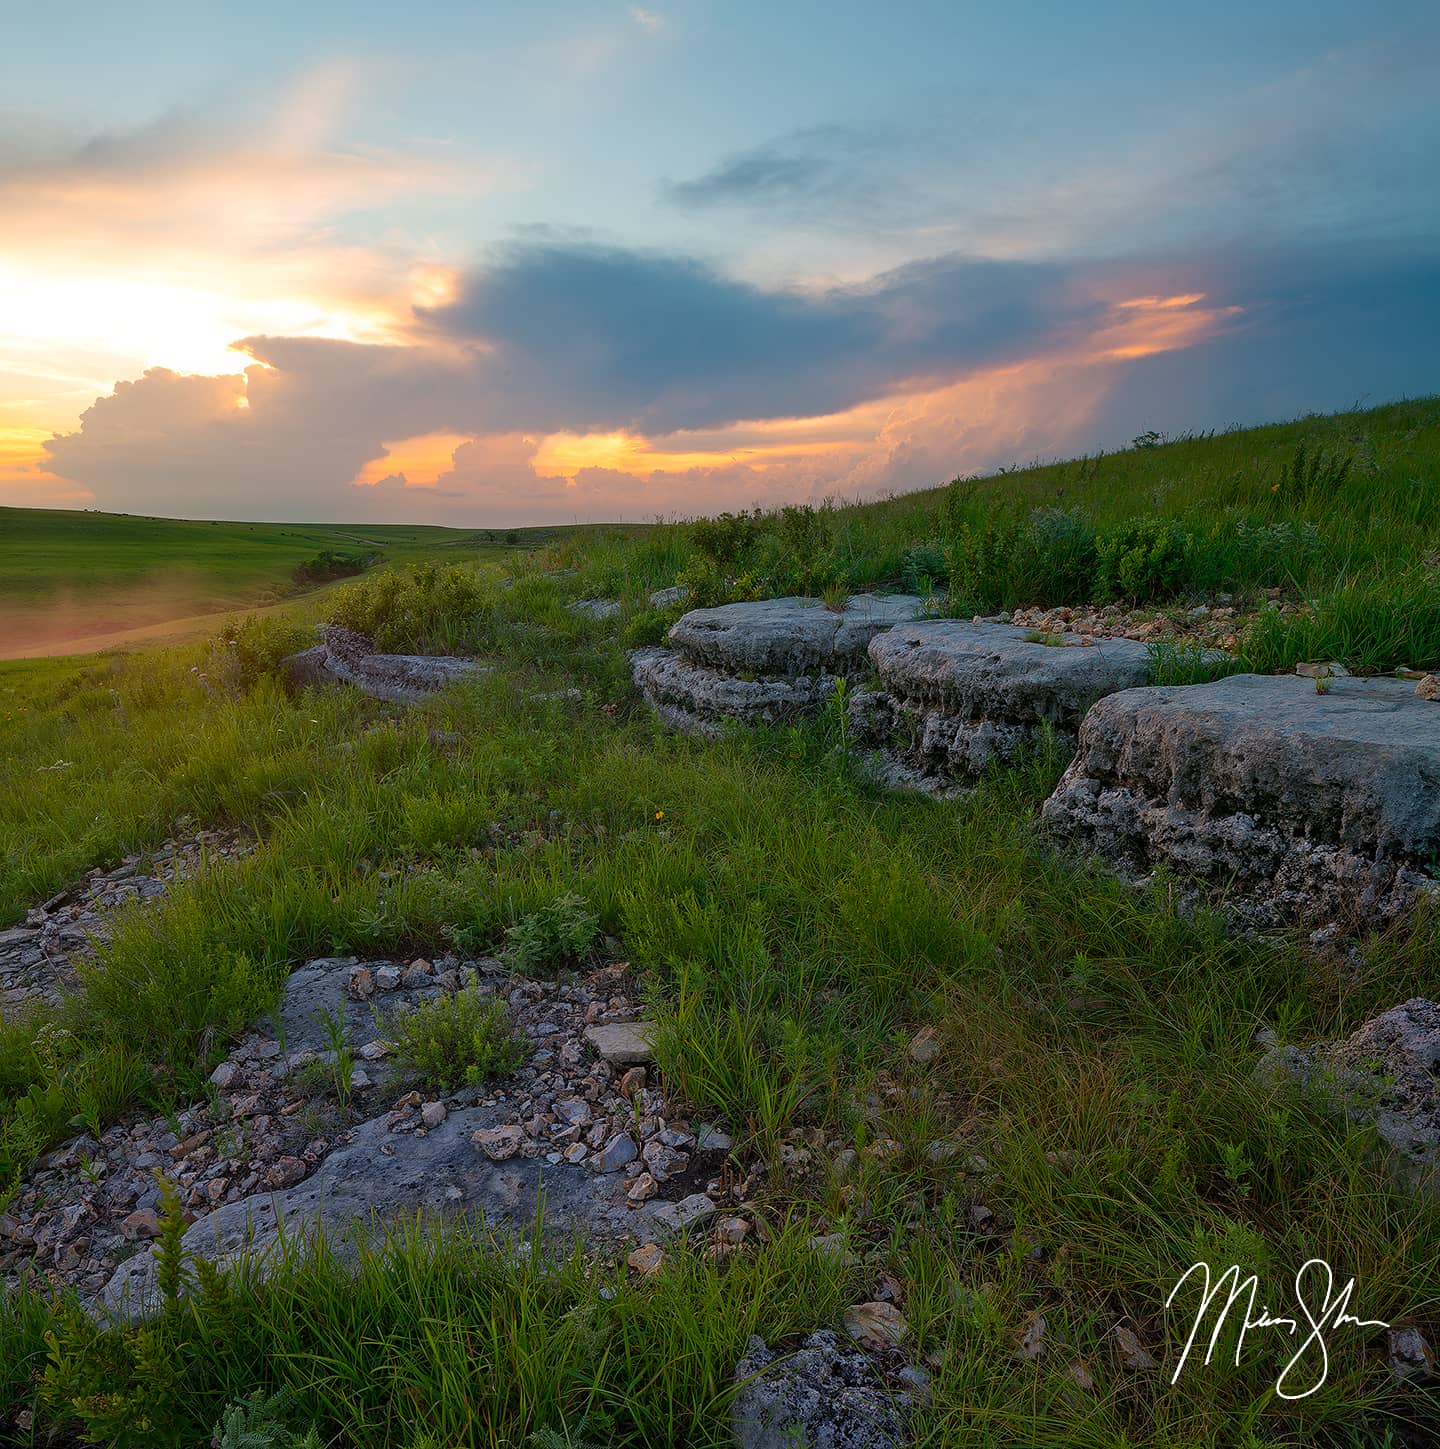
[37,959]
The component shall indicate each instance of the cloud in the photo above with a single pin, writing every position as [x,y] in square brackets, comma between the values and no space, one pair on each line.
[592,338]
[569,381]
[650,20]
[820,169]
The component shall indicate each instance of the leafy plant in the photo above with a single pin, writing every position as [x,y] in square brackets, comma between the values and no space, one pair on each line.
[553,936]
[453,1041]
[257,1422]
[1142,560]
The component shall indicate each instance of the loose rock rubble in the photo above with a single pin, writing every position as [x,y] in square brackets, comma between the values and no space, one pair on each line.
[1302,806]
[1385,1076]
[345,657]
[37,958]
[285,1138]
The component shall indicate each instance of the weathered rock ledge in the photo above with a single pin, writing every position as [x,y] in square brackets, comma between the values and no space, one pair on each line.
[345,657]
[955,697]
[1301,806]
[761,662]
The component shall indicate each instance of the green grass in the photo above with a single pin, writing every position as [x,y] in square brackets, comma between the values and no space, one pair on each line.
[80,576]
[792,927]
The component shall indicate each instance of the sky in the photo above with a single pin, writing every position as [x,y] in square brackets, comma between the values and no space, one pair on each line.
[569,260]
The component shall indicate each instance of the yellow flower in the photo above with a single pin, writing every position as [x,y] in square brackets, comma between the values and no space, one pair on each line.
[1274,487]
[659,814]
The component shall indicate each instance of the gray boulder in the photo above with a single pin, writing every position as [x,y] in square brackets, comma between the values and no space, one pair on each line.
[955,697]
[1383,1076]
[788,637]
[345,657]
[698,700]
[381,1178]
[1304,807]
[821,1397]
[593,608]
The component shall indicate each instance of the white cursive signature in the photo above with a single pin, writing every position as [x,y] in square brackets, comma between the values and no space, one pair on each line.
[1333,1313]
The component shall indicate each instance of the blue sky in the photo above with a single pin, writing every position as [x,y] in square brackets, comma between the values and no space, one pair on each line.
[500,263]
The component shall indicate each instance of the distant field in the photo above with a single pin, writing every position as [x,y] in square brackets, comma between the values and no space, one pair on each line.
[75,581]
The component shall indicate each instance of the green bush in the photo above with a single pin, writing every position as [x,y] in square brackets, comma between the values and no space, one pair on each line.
[648,628]
[453,1041]
[329,564]
[257,1422]
[248,649]
[555,935]
[1142,560]
[432,607]
[924,563]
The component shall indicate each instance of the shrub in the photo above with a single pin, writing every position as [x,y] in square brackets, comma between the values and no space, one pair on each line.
[724,539]
[429,608]
[328,565]
[648,627]
[454,1041]
[1142,560]
[981,565]
[924,563]
[250,648]
[553,936]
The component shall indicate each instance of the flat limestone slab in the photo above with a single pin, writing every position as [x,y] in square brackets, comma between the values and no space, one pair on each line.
[699,701]
[1317,807]
[955,696]
[384,1177]
[788,636]
[346,657]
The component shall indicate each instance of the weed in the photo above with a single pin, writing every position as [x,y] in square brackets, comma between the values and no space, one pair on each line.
[558,934]
[454,1041]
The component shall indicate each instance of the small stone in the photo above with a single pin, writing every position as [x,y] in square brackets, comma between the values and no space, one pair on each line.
[285,1172]
[416,980]
[499,1143]
[224,1075]
[1409,1356]
[925,1046]
[981,1216]
[1429,687]
[140,1224]
[575,1111]
[833,1245]
[388,978]
[432,1114]
[677,1217]
[361,985]
[1081,1375]
[712,1139]
[1133,1354]
[373,1051]
[844,1164]
[642,1189]
[576,1153]
[732,1230]
[1032,1340]
[917,1381]
[622,1043]
[876,1325]
[647,1258]
[633,1081]
[618,1151]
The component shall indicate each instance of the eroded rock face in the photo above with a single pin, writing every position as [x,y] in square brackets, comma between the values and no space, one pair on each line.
[956,697]
[823,1396]
[1384,1076]
[760,663]
[1303,807]
[345,657]
[699,701]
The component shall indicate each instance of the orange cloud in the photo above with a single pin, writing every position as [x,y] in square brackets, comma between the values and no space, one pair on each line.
[419,461]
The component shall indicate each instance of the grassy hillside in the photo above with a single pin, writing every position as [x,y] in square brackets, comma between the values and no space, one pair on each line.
[1090,1127]
[84,580]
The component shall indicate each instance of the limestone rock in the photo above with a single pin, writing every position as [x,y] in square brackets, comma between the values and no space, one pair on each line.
[823,1395]
[698,700]
[876,1325]
[1305,807]
[622,1043]
[593,608]
[1385,1076]
[788,637]
[345,657]
[956,697]
[380,1177]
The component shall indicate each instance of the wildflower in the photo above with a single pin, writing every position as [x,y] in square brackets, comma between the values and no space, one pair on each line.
[1274,487]
[659,814]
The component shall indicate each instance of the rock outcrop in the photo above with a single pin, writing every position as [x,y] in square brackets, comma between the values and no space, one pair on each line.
[1385,1076]
[955,697]
[822,1394]
[1302,806]
[762,662]
[345,657]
